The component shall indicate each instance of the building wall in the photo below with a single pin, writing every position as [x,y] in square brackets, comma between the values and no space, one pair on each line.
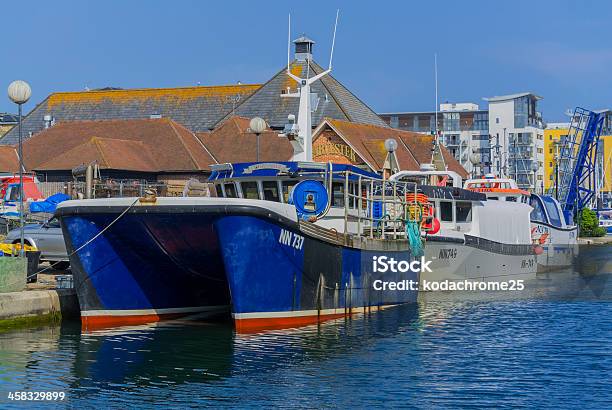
[330,147]
[504,134]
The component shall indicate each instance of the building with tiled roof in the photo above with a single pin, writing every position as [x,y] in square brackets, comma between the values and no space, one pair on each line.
[232,141]
[364,145]
[129,149]
[197,108]
[329,97]
[201,109]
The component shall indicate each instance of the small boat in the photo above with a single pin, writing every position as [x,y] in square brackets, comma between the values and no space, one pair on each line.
[555,242]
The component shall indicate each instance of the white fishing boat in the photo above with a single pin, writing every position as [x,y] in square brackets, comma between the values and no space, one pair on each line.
[555,242]
[474,237]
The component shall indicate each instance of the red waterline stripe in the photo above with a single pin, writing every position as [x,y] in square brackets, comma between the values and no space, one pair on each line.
[109,321]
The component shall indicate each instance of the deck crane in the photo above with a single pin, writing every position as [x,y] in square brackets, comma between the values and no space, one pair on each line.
[574,182]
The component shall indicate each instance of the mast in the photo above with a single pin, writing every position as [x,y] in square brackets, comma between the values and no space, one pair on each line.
[437,159]
[302,144]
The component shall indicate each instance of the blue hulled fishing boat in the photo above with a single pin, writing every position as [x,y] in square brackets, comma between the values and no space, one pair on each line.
[283,244]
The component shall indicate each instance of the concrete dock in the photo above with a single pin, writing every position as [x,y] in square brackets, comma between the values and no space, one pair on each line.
[39,302]
[603,240]
[36,306]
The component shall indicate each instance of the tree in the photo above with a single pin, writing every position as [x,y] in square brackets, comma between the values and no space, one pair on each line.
[589,224]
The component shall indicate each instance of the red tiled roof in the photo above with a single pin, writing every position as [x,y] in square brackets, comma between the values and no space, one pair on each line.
[9,161]
[108,153]
[413,148]
[231,142]
[149,145]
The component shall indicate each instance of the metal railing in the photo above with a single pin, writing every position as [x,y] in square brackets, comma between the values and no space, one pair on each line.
[378,208]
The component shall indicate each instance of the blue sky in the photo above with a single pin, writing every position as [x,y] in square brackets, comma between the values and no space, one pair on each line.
[560,50]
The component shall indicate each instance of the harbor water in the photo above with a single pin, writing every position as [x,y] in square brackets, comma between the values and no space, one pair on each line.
[545,346]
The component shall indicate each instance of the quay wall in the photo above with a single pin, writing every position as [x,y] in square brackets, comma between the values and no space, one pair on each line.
[17,307]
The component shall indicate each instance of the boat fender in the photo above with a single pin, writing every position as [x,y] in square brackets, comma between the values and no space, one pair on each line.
[538,250]
[435,227]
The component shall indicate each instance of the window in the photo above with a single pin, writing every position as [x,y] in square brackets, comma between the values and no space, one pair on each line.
[550,151]
[230,190]
[552,210]
[450,121]
[511,199]
[550,164]
[219,190]
[270,191]
[446,211]
[464,212]
[287,188]
[540,151]
[537,214]
[481,121]
[394,121]
[53,223]
[250,190]
[521,108]
[338,194]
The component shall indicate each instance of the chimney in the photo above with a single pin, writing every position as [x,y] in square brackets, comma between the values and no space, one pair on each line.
[303,48]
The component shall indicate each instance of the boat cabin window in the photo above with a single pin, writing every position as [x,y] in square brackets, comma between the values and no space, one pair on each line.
[270,191]
[250,190]
[552,211]
[230,190]
[464,212]
[511,199]
[219,190]
[446,211]
[537,214]
[494,198]
[287,188]
[338,194]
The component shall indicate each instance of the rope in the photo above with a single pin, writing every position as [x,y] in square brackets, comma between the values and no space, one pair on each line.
[88,242]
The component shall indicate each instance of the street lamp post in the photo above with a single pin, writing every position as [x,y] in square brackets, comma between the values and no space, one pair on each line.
[19,92]
[257,125]
[534,168]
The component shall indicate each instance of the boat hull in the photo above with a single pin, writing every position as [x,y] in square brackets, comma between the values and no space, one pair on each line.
[204,256]
[472,258]
[559,246]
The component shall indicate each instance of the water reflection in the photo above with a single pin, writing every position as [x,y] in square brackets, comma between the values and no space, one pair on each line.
[179,352]
[423,350]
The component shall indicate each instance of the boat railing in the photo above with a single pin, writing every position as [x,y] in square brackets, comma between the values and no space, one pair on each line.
[377,208]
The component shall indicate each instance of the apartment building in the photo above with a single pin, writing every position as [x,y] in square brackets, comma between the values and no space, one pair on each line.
[506,139]
[463,129]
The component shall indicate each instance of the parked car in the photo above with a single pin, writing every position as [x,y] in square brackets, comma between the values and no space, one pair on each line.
[47,238]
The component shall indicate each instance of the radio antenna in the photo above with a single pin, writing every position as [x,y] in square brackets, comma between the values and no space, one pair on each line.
[333,41]
[289,44]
